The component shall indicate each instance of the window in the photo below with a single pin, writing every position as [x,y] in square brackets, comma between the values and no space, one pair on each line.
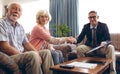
[108,11]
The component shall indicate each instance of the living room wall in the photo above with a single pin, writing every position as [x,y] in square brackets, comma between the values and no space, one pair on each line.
[21,1]
[29,10]
[1,8]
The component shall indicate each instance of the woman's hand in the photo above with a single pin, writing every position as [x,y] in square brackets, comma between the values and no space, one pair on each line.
[71,39]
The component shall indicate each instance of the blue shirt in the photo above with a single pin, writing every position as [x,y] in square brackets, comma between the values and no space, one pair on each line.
[15,35]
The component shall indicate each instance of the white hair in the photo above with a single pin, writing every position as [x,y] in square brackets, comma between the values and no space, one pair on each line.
[11,3]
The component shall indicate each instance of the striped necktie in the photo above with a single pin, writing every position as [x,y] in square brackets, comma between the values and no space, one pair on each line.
[94,37]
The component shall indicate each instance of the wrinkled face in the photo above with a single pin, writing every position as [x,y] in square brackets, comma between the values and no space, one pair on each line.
[14,12]
[93,18]
[43,19]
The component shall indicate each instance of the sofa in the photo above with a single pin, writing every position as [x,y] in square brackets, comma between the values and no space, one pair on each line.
[69,52]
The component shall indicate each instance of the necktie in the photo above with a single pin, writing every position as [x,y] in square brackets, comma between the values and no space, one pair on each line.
[93,37]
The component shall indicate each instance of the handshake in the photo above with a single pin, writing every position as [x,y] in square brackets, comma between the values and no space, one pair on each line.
[71,40]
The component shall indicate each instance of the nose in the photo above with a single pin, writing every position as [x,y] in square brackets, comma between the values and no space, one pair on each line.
[92,18]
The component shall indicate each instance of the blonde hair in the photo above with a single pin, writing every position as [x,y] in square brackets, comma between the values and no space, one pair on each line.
[42,12]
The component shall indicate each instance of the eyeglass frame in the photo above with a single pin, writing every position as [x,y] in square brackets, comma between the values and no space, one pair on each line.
[90,17]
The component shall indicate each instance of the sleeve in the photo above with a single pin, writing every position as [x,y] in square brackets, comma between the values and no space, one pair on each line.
[41,33]
[106,33]
[82,34]
[25,38]
[54,40]
[44,34]
[3,31]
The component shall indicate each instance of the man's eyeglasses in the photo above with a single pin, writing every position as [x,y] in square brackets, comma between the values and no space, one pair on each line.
[92,17]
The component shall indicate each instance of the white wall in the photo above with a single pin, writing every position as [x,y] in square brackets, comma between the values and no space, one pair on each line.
[28,18]
[21,1]
[29,10]
[5,2]
[108,11]
[1,8]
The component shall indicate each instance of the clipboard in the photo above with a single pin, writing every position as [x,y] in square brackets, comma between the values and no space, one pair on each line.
[97,48]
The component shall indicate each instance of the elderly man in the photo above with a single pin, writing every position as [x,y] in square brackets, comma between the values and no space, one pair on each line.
[13,42]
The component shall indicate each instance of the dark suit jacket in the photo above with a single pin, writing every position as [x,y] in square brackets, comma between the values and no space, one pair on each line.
[102,34]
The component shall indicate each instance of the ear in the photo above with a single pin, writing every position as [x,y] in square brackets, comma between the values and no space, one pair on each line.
[97,17]
[6,10]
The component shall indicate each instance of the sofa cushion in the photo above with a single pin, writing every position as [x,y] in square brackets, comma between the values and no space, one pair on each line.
[117,54]
[115,38]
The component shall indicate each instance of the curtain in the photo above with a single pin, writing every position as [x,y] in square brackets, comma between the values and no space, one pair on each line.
[64,12]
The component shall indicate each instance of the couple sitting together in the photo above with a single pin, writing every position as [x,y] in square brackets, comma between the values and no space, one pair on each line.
[37,55]
[34,56]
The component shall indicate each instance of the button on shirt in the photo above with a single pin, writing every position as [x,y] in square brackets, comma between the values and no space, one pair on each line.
[15,35]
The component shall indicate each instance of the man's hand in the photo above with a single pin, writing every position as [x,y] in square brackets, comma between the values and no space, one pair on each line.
[71,39]
[103,43]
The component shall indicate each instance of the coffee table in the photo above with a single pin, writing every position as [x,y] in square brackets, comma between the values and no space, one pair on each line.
[99,69]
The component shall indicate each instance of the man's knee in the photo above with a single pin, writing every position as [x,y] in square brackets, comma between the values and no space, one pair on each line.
[8,62]
[111,48]
[80,49]
[32,55]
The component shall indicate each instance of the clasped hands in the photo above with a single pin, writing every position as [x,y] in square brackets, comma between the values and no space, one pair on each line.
[71,40]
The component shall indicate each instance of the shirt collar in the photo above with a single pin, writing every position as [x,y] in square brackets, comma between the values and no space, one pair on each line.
[11,22]
[92,26]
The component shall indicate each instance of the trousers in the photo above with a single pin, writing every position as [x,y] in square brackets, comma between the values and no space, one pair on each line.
[28,61]
[57,57]
[108,51]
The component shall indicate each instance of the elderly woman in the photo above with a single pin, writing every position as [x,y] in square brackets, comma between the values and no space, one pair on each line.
[41,38]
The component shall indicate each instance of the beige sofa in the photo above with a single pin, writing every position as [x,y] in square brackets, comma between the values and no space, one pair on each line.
[68,48]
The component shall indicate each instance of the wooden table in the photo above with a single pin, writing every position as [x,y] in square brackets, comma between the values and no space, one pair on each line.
[99,69]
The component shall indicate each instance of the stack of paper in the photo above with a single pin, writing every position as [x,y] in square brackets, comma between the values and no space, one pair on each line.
[83,65]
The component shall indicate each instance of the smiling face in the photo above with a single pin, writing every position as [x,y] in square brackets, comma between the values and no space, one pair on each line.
[93,17]
[14,11]
[43,17]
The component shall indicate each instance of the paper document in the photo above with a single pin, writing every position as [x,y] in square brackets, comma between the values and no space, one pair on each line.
[83,65]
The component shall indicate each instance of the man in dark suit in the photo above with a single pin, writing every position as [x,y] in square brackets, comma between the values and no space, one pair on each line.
[100,38]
